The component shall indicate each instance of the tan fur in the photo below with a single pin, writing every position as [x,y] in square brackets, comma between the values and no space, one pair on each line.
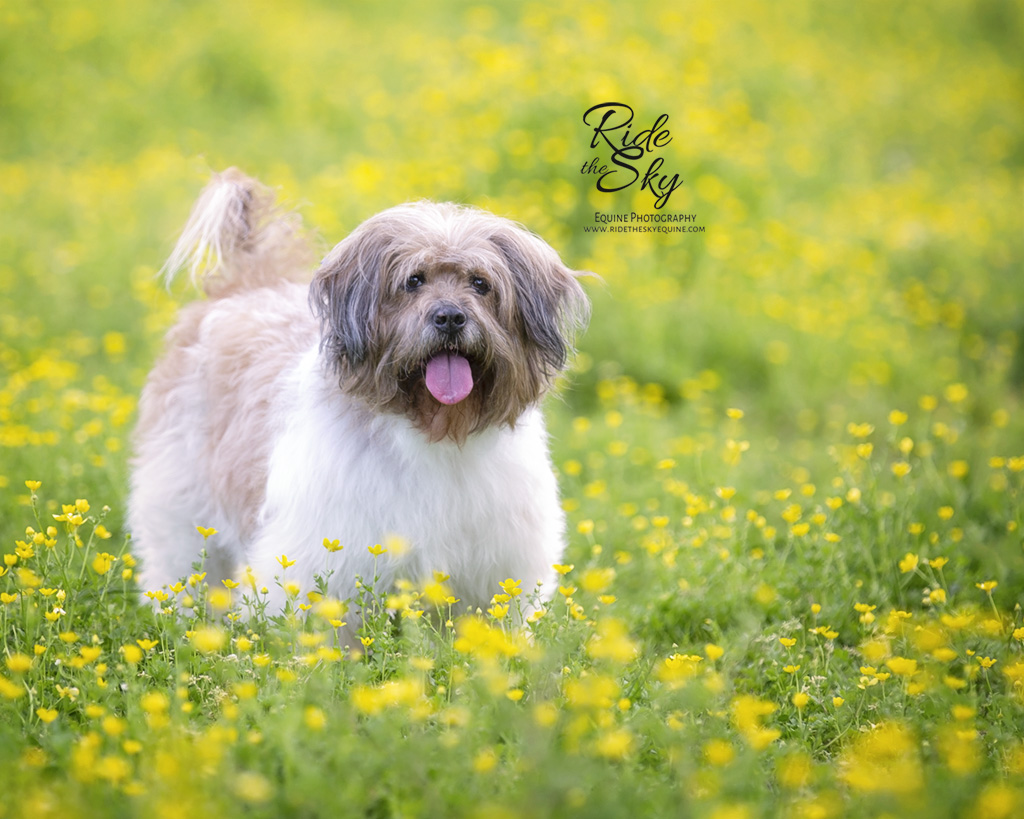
[238,239]
[517,336]
[235,350]
[286,412]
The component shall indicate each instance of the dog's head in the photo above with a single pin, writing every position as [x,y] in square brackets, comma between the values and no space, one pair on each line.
[449,315]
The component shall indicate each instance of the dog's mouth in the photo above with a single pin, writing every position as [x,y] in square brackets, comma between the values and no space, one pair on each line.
[449,376]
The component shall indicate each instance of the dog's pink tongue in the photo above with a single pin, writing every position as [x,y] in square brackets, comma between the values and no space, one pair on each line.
[449,377]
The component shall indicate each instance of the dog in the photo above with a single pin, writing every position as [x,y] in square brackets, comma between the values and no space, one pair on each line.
[394,399]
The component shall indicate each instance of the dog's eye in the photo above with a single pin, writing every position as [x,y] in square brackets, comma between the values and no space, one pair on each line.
[480,285]
[414,281]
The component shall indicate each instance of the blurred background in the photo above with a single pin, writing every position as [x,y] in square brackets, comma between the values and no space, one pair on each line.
[857,168]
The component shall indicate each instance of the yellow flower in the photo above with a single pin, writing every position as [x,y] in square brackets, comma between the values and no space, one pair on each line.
[902,667]
[962,713]
[219,599]
[19,663]
[765,595]
[838,701]
[33,485]
[315,718]
[936,596]
[486,760]
[208,639]
[897,417]
[498,611]
[884,760]
[713,652]
[332,545]
[205,532]
[285,562]
[102,562]
[611,641]
[719,752]
[955,393]
[908,563]
[114,726]
[900,469]
[9,689]
[154,702]
[800,700]
[959,469]
[563,569]
[788,642]
[597,581]
[252,788]
[47,715]
[957,622]
[376,550]
[747,715]
[28,579]
[987,586]
[616,744]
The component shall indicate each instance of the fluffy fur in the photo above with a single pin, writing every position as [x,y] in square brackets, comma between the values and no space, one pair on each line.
[284,413]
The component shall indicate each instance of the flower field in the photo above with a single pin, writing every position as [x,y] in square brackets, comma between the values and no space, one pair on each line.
[791,447]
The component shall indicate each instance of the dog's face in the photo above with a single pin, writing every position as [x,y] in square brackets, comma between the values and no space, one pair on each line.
[449,315]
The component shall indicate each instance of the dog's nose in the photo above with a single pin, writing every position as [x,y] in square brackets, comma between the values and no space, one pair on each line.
[448,319]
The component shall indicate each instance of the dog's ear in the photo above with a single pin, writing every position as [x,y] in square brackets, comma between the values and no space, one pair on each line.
[346,291]
[550,301]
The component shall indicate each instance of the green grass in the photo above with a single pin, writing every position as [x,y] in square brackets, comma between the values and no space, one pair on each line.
[790,449]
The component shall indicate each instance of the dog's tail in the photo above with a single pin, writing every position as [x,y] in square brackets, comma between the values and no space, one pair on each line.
[237,238]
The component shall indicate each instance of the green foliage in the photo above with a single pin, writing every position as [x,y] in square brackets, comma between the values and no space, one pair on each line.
[790,450]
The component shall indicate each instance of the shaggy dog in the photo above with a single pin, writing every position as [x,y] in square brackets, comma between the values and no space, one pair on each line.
[392,400]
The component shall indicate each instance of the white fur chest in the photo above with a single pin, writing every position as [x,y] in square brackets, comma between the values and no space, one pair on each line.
[480,513]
